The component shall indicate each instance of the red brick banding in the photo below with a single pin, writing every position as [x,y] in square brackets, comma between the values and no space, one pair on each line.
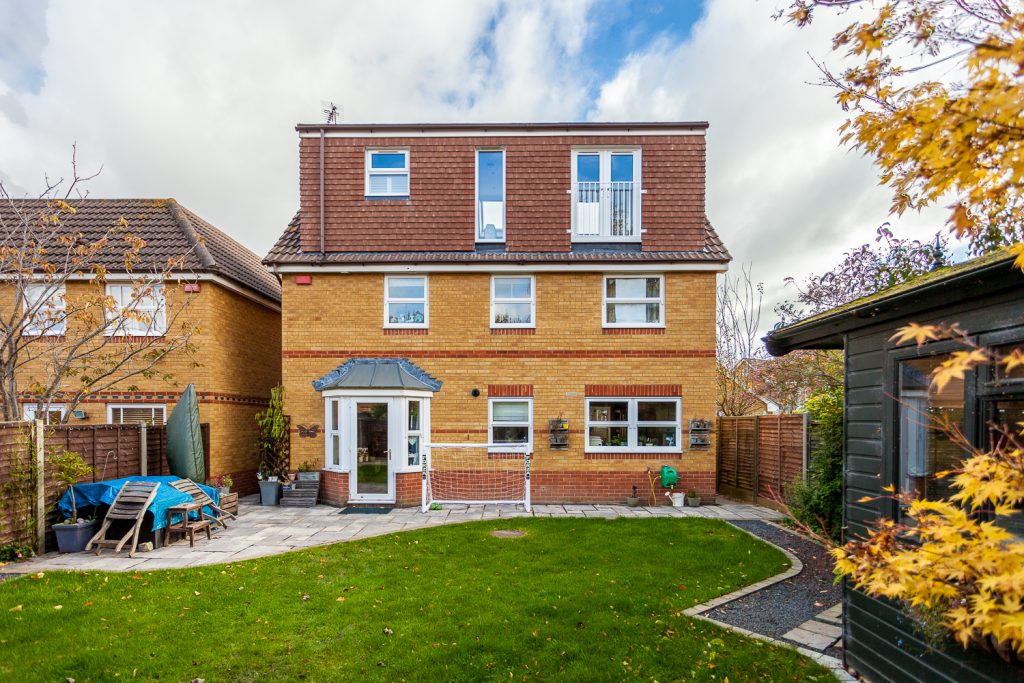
[513,331]
[633,390]
[498,353]
[406,331]
[510,390]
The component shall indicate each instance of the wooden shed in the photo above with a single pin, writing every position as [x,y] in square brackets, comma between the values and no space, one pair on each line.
[886,443]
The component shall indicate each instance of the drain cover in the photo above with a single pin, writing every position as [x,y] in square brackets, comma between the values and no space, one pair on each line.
[507,533]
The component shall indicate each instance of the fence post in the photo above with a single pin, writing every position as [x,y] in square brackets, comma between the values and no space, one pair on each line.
[143,455]
[757,459]
[40,450]
[807,442]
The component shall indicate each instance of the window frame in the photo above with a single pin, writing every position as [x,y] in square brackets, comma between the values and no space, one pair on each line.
[408,432]
[504,194]
[28,411]
[604,164]
[158,311]
[59,324]
[631,276]
[515,300]
[633,424]
[126,406]
[368,170]
[491,424]
[388,300]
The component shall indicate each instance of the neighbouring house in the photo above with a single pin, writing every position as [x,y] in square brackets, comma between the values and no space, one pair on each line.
[890,439]
[489,283]
[220,285]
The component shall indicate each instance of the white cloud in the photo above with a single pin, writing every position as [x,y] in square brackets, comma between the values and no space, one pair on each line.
[780,190]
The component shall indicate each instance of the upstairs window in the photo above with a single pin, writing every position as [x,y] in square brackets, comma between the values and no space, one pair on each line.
[406,302]
[387,173]
[47,317]
[634,301]
[606,195]
[490,195]
[137,311]
[513,301]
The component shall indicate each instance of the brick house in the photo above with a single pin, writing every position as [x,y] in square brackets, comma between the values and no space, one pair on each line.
[472,283]
[232,297]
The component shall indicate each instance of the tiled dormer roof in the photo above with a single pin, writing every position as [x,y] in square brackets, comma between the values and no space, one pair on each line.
[287,251]
[170,231]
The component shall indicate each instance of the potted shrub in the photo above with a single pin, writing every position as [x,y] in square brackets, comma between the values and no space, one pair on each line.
[224,482]
[633,501]
[272,448]
[307,473]
[692,498]
[74,532]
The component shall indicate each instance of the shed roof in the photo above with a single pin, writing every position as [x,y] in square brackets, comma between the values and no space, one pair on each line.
[378,373]
[942,286]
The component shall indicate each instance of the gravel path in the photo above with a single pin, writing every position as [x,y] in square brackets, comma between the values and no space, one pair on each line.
[775,610]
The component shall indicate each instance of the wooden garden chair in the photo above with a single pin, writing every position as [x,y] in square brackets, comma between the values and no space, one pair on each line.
[199,496]
[131,504]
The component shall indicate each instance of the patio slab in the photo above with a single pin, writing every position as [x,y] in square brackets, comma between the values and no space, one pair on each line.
[262,531]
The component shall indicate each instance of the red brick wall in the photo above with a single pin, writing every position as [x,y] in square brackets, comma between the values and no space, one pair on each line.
[441,207]
[333,487]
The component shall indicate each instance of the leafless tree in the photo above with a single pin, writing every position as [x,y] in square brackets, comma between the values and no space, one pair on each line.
[739,319]
[61,344]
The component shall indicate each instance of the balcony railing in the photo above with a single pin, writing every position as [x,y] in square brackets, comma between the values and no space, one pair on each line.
[606,212]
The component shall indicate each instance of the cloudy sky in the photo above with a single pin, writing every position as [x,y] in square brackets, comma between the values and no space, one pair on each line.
[197,101]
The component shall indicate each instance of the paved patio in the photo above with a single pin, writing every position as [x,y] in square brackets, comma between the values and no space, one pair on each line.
[261,531]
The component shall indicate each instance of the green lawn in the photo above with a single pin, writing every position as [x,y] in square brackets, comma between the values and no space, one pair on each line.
[575,600]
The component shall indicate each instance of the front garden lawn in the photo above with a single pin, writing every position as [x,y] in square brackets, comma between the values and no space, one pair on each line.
[574,599]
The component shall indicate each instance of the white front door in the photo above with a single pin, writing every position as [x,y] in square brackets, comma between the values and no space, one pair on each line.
[375,439]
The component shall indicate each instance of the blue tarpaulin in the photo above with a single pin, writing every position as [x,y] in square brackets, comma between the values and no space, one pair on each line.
[104,492]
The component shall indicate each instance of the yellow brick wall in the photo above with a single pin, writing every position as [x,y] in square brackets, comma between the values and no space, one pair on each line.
[341,315]
[236,363]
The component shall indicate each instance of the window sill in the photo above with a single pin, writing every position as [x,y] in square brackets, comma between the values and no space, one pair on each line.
[633,330]
[386,197]
[406,331]
[604,239]
[513,330]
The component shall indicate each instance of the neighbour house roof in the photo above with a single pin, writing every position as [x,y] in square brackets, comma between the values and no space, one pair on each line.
[942,286]
[288,251]
[170,231]
[492,128]
[378,373]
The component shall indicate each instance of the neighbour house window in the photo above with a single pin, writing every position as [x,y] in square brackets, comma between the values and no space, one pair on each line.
[136,413]
[490,195]
[924,446]
[414,431]
[513,301]
[616,425]
[137,311]
[511,421]
[634,301]
[49,316]
[405,302]
[606,195]
[52,416]
[387,173]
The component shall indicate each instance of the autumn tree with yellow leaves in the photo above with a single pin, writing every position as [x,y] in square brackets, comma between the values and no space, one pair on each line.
[935,95]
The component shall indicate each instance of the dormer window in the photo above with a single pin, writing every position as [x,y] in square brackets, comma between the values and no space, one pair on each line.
[490,195]
[387,173]
[605,195]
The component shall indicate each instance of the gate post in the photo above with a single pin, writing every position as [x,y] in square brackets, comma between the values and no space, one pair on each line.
[40,461]
[757,459]
[143,454]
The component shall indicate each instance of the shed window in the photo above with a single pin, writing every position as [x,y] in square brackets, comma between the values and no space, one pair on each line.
[924,446]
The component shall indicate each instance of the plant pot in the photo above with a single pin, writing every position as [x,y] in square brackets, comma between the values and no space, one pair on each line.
[308,476]
[693,502]
[224,490]
[632,501]
[71,538]
[270,493]
[678,500]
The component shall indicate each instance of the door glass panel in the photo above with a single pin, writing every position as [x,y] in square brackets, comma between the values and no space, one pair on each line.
[1004,421]
[622,168]
[924,446]
[372,454]
[588,168]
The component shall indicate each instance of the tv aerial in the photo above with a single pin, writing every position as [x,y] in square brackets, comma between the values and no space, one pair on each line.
[332,112]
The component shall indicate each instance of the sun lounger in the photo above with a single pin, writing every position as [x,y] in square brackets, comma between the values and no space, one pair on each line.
[130,504]
[199,496]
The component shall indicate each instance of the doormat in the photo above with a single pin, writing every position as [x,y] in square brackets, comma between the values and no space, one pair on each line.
[365,511]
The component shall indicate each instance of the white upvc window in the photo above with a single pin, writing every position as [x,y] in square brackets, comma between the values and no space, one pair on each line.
[334,418]
[406,301]
[490,195]
[633,301]
[50,315]
[634,425]
[54,415]
[606,194]
[510,421]
[136,413]
[513,301]
[387,173]
[415,419]
[139,311]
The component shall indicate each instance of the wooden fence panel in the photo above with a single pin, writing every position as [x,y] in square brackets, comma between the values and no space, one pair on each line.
[759,456]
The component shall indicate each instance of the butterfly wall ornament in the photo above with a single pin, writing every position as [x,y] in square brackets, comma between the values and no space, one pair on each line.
[309,432]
